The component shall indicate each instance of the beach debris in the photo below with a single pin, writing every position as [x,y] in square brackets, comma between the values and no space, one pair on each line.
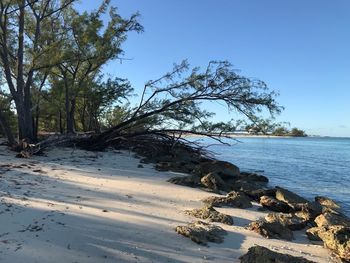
[271,229]
[337,238]
[209,213]
[330,219]
[273,204]
[259,254]
[291,221]
[201,232]
[189,180]
[327,202]
[233,199]
[313,233]
[213,182]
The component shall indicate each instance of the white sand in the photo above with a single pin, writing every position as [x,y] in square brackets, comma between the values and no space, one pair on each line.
[87,207]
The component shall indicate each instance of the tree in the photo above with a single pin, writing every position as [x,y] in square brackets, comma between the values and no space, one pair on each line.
[172,103]
[295,132]
[25,27]
[92,44]
[280,131]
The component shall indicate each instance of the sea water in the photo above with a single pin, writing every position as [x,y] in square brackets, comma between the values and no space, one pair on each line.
[308,166]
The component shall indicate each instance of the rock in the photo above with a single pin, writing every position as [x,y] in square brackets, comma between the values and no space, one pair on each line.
[244,186]
[291,221]
[257,194]
[330,219]
[337,238]
[221,168]
[201,232]
[180,167]
[258,254]
[274,205]
[327,202]
[210,214]
[310,210]
[271,229]
[253,177]
[214,182]
[234,199]
[313,233]
[190,180]
[292,199]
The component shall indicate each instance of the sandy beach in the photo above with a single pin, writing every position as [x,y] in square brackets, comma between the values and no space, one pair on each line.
[78,206]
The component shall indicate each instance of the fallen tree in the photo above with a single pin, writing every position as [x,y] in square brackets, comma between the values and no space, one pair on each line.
[175,105]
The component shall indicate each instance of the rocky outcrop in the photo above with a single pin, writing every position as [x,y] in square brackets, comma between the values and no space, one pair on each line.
[253,177]
[330,219]
[292,199]
[313,233]
[202,233]
[221,168]
[271,229]
[189,180]
[290,221]
[258,193]
[209,213]
[273,204]
[337,238]
[214,182]
[258,254]
[233,199]
[327,202]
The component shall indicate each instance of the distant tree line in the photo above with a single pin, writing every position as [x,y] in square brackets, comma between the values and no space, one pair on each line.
[270,127]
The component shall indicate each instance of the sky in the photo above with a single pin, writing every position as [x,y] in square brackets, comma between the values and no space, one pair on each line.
[299,48]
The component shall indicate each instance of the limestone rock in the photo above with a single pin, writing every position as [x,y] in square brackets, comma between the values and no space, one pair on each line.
[291,221]
[210,214]
[274,205]
[337,238]
[292,199]
[330,219]
[258,254]
[327,202]
[213,182]
[271,229]
[258,193]
[190,180]
[253,177]
[222,168]
[234,199]
[313,233]
[202,233]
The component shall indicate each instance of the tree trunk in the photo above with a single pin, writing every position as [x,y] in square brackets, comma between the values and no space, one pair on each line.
[70,117]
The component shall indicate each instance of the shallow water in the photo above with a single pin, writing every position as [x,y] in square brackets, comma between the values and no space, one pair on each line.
[307,166]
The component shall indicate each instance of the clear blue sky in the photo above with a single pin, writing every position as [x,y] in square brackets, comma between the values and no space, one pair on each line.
[299,48]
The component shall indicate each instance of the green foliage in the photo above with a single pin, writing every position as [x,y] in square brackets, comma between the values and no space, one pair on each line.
[295,132]
[174,101]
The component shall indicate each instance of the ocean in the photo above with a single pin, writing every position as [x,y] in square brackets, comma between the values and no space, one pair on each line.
[308,166]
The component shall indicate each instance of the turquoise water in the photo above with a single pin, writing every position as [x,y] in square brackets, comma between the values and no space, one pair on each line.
[307,166]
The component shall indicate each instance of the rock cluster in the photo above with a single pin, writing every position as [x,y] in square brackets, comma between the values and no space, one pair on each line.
[210,214]
[258,254]
[291,212]
[202,232]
